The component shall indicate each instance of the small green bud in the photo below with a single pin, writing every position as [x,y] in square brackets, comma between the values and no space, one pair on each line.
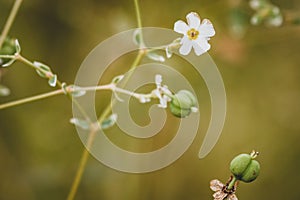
[245,168]
[8,48]
[182,103]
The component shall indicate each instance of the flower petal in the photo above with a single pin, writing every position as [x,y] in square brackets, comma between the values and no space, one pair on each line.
[216,185]
[163,102]
[181,27]
[158,79]
[201,46]
[232,197]
[219,195]
[198,49]
[193,20]
[186,47]
[206,29]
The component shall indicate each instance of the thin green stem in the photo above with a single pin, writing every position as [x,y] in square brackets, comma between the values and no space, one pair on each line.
[10,21]
[26,61]
[31,99]
[232,182]
[29,63]
[82,164]
[8,56]
[85,154]
[138,13]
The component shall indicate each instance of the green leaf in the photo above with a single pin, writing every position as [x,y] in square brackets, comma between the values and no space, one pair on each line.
[43,70]
[7,63]
[109,122]
[18,47]
[155,57]
[117,79]
[4,91]
[80,123]
[137,37]
[169,53]
[8,48]
[76,91]
[52,80]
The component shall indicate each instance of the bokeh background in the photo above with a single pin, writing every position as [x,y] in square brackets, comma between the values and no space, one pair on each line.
[40,150]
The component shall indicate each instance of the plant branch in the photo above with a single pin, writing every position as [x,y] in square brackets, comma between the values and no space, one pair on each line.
[91,137]
[31,99]
[10,21]
[85,154]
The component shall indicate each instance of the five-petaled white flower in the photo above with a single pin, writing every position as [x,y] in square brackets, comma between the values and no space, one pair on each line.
[196,34]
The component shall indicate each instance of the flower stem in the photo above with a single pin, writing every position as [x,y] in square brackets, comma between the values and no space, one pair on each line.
[232,182]
[85,154]
[10,21]
[82,164]
[31,99]
[138,13]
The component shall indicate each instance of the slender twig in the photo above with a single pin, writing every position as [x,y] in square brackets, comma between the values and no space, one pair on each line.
[85,154]
[138,13]
[10,21]
[31,99]
[111,87]
[82,164]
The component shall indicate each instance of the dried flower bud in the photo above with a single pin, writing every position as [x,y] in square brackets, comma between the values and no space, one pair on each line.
[245,168]
[182,103]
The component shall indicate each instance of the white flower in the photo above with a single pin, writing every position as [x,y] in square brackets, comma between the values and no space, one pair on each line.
[195,34]
[161,92]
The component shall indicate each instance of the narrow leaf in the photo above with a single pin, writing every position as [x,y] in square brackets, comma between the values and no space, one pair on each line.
[18,47]
[137,38]
[168,52]
[109,122]
[155,57]
[10,62]
[52,81]
[43,70]
[76,91]
[80,123]
[117,79]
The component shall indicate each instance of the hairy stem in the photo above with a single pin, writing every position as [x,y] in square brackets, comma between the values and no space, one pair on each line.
[10,21]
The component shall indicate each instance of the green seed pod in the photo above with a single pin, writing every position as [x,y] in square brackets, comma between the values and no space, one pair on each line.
[244,168]
[8,48]
[182,103]
[252,172]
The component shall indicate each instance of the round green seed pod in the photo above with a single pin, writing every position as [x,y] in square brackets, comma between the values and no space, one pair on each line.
[182,103]
[252,172]
[244,168]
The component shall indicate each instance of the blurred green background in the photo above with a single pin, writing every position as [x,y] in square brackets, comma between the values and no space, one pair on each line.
[40,150]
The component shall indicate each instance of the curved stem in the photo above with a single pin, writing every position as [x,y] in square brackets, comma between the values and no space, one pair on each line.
[232,182]
[10,21]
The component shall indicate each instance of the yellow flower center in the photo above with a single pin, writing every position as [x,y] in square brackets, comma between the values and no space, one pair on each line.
[193,34]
